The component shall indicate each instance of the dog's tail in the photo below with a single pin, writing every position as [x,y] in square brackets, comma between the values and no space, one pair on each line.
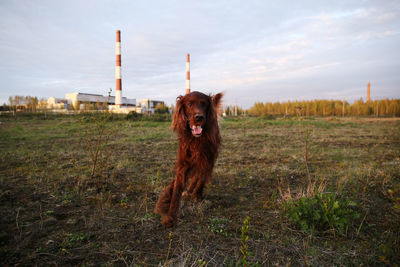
[164,200]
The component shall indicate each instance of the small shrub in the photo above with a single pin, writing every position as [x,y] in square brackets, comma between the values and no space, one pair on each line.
[134,116]
[161,117]
[161,109]
[269,117]
[322,212]
[157,117]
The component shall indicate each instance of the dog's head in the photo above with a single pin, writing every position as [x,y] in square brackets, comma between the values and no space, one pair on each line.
[196,112]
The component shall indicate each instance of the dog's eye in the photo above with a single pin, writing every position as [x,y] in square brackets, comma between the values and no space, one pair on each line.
[190,104]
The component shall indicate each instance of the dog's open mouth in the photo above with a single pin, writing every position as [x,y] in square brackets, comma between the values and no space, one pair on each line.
[196,130]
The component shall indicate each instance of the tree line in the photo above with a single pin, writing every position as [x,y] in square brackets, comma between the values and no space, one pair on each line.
[384,107]
[24,103]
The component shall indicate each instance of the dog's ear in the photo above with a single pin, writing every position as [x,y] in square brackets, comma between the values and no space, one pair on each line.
[215,107]
[217,102]
[179,117]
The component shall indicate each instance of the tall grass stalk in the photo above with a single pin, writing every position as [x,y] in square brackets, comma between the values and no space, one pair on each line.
[101,141]
[243,240]
[96,154]
[306,140]
[169,249]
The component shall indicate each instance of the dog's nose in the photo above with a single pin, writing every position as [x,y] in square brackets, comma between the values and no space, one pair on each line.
[199,117]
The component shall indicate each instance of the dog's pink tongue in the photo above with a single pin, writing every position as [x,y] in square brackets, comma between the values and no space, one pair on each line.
[197,129]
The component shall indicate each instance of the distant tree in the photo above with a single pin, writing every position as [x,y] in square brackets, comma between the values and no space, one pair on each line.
[42,104]
[234,111]
[11,102]
[5,107]
[161,109]
[87,106]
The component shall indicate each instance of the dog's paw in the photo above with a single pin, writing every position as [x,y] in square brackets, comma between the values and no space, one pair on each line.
[160,210]
[192,196]
[168,221]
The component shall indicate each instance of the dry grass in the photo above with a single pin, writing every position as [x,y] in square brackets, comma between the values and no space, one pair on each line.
[46,219]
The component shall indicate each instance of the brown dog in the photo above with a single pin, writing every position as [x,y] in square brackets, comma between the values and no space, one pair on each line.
[196,122]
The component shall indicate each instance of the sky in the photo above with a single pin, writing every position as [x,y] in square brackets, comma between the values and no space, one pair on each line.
[253,51]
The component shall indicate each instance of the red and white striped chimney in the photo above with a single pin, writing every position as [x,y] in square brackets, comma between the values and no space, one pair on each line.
[369,92]
[188,74]
[118,87]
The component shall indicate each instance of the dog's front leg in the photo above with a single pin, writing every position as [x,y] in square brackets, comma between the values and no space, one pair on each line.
[171,218]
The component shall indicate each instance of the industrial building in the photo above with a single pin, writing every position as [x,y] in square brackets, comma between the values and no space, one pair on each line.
[148,105]
[57,103]
[78,100]
[82,101]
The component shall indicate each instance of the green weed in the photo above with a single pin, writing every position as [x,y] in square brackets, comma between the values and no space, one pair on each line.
[322,212]
[48,212]
[134,116]
[70,240]
[201,262]
[243,240]
[395,196]
[218,226]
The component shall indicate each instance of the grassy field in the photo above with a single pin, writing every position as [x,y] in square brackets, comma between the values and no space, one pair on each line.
[57,210]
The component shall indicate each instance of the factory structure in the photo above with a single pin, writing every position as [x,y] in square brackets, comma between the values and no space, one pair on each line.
[115,104]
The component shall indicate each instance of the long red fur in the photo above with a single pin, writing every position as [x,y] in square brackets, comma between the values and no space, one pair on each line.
[196,155]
